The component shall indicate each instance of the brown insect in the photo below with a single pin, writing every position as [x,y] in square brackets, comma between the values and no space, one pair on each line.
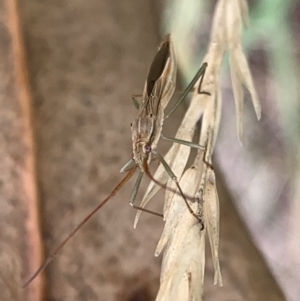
[146,131]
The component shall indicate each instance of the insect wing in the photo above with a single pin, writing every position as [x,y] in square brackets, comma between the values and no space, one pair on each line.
[158,65]
[168,77]
[161,79]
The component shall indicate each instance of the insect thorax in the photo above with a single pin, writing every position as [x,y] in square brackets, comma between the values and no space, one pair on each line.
[143,136]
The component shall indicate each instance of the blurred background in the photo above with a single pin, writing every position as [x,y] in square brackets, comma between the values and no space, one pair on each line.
[65,133]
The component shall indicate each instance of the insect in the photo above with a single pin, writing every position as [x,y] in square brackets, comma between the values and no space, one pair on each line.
[147,127]
[146,131]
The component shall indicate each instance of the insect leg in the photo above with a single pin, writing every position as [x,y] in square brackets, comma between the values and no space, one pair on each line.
[199,74]
[192,145]
[187,143]
[128,166]
[134,193]
[135,101]
[206,162]
[174,178]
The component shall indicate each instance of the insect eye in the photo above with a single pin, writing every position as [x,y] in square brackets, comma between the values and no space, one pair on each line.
[147,148]
[131,124]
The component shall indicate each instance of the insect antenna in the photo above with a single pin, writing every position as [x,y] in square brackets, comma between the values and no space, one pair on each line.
[61,245]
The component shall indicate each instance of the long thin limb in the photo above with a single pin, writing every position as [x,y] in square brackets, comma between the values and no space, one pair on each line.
[61,245]
[208,163]
[200,73]
[190,144]
[135,101]
[184,142]
[134,193]
[130,164]
[174,178]
[201,80]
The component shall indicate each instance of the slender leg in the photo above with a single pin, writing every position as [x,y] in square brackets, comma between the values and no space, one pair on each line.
[200,84]
[187,143]
[174,178]
[206,162]
[200,205]
[128,166]
[192,145]
[199,74]
[134,193]
[135,101]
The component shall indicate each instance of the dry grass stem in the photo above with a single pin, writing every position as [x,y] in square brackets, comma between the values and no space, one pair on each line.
[182,240]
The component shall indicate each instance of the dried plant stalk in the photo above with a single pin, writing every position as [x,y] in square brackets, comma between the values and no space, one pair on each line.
[182,240]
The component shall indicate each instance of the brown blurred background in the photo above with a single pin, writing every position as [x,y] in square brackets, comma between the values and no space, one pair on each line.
[68,70]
